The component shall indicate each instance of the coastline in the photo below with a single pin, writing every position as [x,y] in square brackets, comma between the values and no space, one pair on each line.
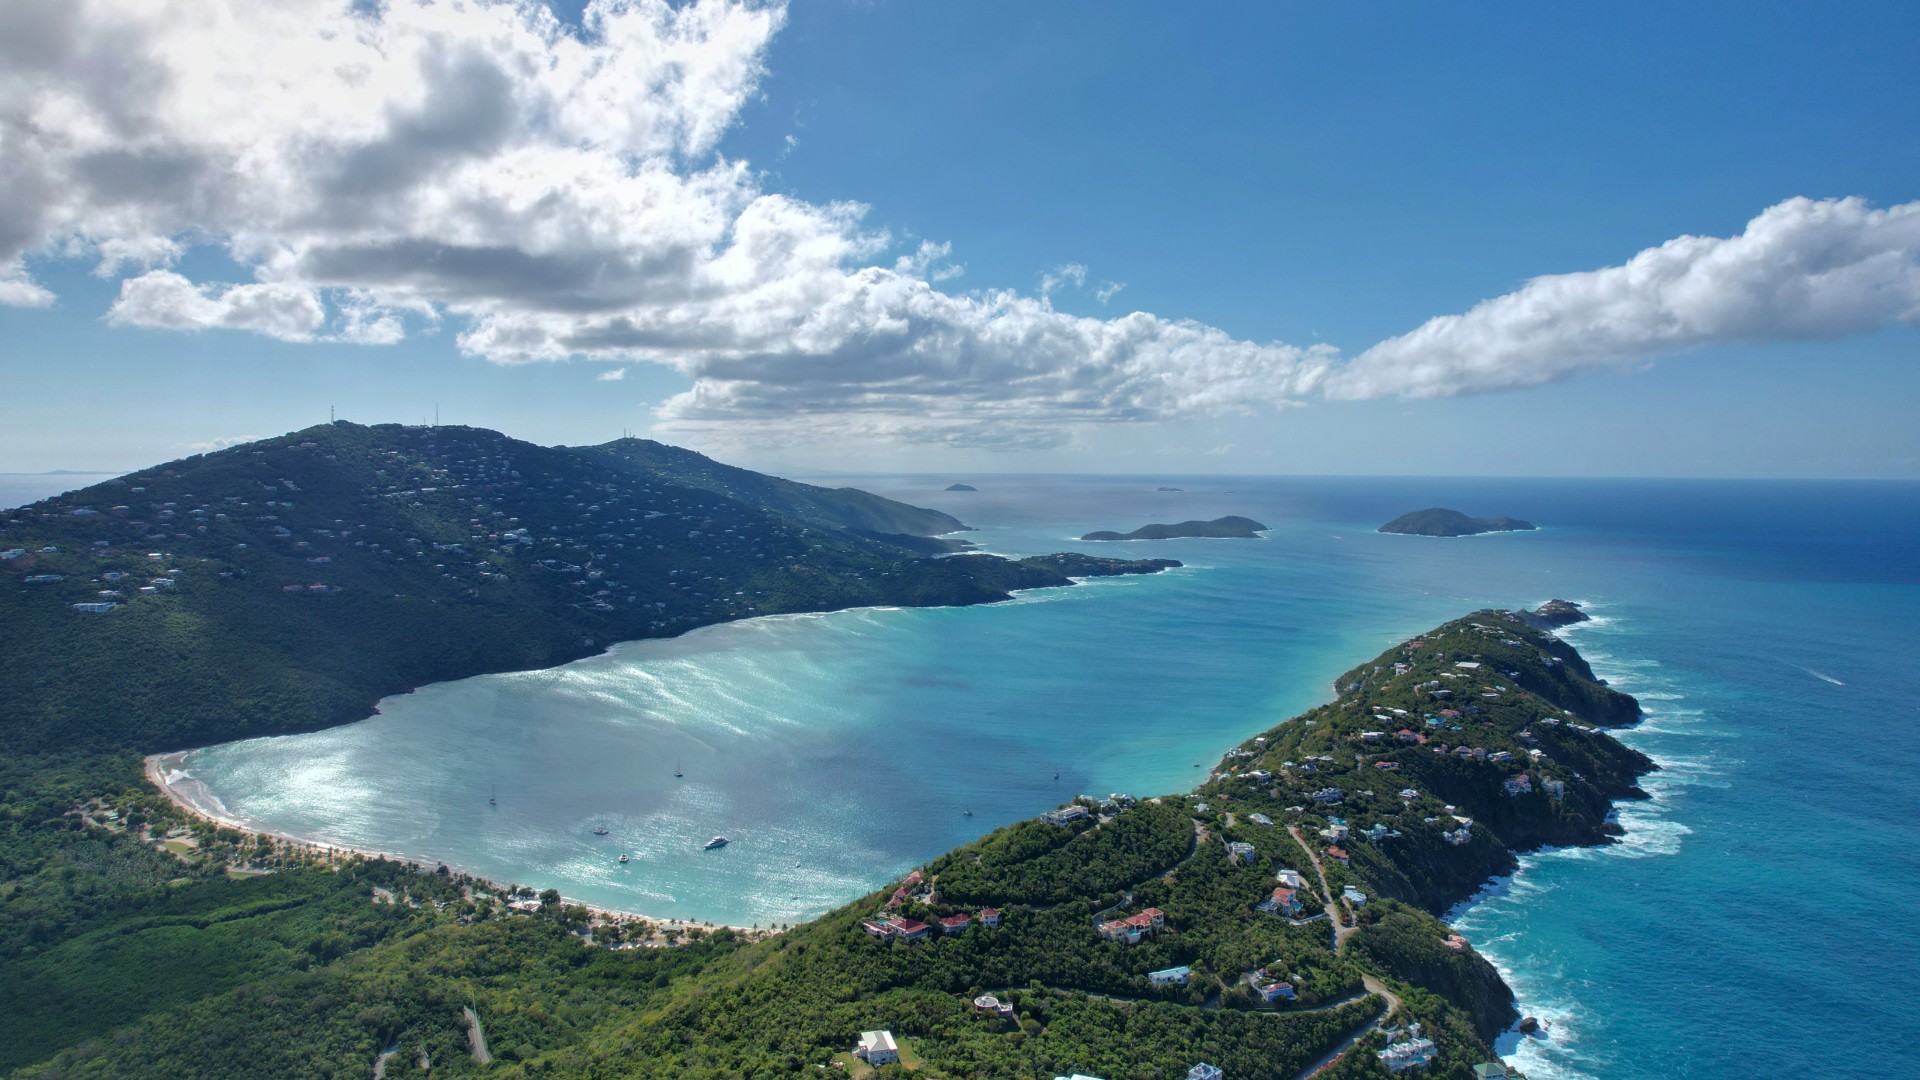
[164,772]
[1556,1015]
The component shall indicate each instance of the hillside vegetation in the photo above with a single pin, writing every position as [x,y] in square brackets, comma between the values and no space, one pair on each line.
[291,583]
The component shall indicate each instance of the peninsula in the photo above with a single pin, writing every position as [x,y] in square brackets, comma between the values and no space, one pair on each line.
[1219,528]
[1439,521]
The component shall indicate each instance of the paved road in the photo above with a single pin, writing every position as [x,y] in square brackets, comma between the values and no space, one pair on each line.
[1392,1000]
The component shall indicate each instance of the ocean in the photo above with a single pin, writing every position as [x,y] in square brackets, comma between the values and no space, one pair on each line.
[1747,921]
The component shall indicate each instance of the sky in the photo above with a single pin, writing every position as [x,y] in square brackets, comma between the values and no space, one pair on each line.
[1630,239]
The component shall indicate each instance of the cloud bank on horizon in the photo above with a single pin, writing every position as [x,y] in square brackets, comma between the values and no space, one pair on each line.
[555,192]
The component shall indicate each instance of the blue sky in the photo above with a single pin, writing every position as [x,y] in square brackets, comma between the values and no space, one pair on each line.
[1282,177]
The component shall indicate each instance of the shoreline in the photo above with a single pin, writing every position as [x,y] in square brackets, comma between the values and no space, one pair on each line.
[157,767]
[160,770]
[1513,1041]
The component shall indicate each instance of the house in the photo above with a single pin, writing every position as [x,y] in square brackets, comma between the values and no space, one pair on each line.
[1173,976]
[1411,1054]
[1340,855]
[1284,900]
[1456,943]
[909,929]
[12,553]
[1240,852]
[879,930]
[990,917]
[1327,795]
[1335,833]
[1459,836]
[987,1003]
[1387,766]
[43,579]
[1260,819]
[954,924]
[877,1048]
[95,608]
[1065,815]
[1291,879]
[1133,928]
[1273,990]
[1204,1071]
[1353,896]
[1490,1070]
[1378,832]
[1518,785]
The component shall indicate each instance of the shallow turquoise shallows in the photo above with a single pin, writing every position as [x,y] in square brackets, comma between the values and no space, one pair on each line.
[1754,917]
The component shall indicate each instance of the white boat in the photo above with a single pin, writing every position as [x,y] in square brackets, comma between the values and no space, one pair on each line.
[718,841]
[623,856]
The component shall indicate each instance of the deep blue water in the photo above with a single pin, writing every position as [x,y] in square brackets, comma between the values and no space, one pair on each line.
[19,489]
[1751,919]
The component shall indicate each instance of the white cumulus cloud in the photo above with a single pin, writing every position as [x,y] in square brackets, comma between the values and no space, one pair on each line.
[1802,269]
[552,191]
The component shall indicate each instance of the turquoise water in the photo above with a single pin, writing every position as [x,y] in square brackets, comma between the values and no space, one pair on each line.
[1743,922]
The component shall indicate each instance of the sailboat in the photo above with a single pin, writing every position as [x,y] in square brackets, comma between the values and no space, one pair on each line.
[599,830]
[676,770]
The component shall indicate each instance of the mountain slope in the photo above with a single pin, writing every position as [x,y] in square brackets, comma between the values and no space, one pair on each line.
[291,583]
[843,508]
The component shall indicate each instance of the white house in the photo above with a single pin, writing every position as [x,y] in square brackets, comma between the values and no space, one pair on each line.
[877,1048]
[1066,815]
[1173,976]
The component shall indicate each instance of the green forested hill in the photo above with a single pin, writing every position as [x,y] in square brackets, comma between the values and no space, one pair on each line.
[842,508]
[290,583]
[1391,802]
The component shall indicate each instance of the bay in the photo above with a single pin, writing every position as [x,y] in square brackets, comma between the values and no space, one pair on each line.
[1767,626]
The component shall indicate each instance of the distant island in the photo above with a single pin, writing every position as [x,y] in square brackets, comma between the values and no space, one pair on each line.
[961,487]
[1169,489]
[1439,521]
[1235,528]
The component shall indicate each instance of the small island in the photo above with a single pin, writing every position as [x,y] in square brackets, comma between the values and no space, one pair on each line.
[1439,521]
[1233,528]
[961,487]
[1170,489]
[1554,614]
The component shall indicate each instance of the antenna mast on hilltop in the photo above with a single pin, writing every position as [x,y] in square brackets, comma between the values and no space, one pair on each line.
[436,414]
[329,414]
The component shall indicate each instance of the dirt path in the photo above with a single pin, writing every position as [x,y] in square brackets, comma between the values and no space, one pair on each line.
[1341,930]
[476,1037]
